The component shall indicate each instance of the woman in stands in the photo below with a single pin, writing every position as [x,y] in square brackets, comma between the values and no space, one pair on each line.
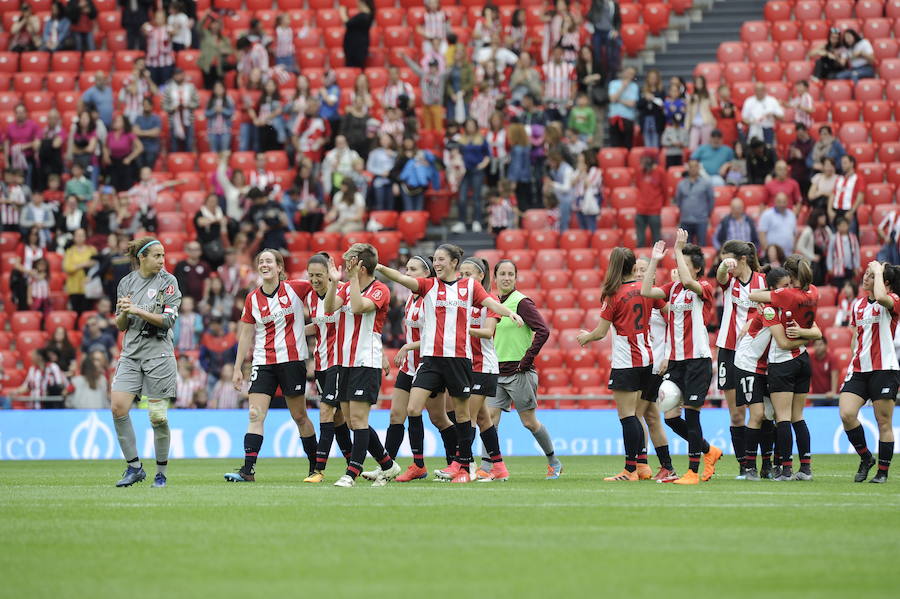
[789,370]
[690,360]
[750,366]
[516,348]
[628,312]
[273,323]
[323,328]
[446,348]
[737,276]
[408,359]
[873,373]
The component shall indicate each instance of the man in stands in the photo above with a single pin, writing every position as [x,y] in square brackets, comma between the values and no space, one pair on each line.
[713,156]
[695,198]
[780,182]
[778,224]
[192,272]
[759,114]
[736,225]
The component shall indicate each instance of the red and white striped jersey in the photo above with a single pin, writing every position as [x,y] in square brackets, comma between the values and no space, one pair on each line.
[326,332]
[38,382]
[392,91]
[558,80]
[412,327]
[159,47]
[434,24]
[447,314]
[802,307]
[629,313]
[688,338]
[284,42]
[484,358]
[875,328]
[279,323]
[311,133]
[752,351]
[737,308]
[358,337]
[845,191]
[496,141]
[658,337]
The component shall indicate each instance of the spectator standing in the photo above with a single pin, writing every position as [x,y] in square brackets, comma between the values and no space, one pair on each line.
[218,347]
[192,272]
[415,172]
[675,140]
[120,154]
[651,114]
[179,25]
[827,146]
[848,192]
[651,185]
[695,199]
[476,157]
[188,327]
[356,36]
[519,171]
[778,224]
[380,163]
[606,21]
[28,252]
[189,382]
[735,225]
[60,350]
[21,143]
[211,225]
[267,220]
[712,157]
[148,128]
[50,153]
[588,190]
[700,119]
[38,215]
[843,260]
[355,127]
[83,15]
[813,243]
[284,43]
[826,372]
[759,114]
[347,209]
[90,389]
[180,100]
[726,116]
[802,103]
[338,164]
[560,185]
[56,29]
[25,31]
[215,49]
[760,162]
[798,152]
[559,86]
[135,14]
[13,197]
[160,55]
[304,203]
[100,96]
[266,117]
[44,379]
[433,81]
[780,182]
[77,261]
[219,112]
[524,79]
[71,218]
[623,97]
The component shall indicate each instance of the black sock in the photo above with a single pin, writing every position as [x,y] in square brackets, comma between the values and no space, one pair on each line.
[857,438]
[665,460]
[491,442]
[784,444]
[323,447]
[394,439]
[252,443]
[751,440]
[885,453]
[766,442]
[358,455]
[377,451]
[416,432]
[452,416]
[465,434]
[342,436]
[310,448]
[631,434]
[738,443]
[804,445]
[642,446]
[448,436]
[695,439]
[680,428]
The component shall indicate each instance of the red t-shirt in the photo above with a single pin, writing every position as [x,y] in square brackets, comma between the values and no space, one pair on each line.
[652,191]
[788,186]
[821,373]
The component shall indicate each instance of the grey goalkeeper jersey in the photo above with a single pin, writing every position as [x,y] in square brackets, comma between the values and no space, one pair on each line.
[158,294]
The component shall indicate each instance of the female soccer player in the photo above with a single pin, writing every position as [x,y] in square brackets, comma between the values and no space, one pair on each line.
[873,373]
[408,359]
[446,348]
[690,361]
[516,348]
[628,312]
[750,366]
[273,323]
[789,371]
[362,305]
[146,308]
[737,276]
[323,327]
[485,373]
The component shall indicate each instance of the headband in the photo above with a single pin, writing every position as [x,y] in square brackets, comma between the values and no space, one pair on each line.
[424,261]
[476,263]
[146,245]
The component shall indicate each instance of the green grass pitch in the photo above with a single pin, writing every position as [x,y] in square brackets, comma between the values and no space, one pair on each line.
[68,532]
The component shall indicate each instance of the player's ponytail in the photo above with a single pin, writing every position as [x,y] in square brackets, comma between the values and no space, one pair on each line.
[138,247]
[621,265]
[800,270]
[742,249]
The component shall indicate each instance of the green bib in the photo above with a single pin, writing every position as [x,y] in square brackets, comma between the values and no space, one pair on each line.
[510,341]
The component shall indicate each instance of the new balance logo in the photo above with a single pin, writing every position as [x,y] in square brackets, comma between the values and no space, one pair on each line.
[298,388]
[692,398]
[466,390]
[358,392]
[886,390]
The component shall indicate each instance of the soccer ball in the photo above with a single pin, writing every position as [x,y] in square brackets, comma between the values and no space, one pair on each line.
[669,396]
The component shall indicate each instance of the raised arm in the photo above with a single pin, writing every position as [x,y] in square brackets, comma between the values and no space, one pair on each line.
[332,302]
[358,303]
[761,296]
[881,294]
[398,277]
[647,288]
[685,273]
[723,273]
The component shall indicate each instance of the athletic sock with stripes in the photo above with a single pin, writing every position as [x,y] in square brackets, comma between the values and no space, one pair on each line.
[665,460]
[252,443]
[751,442]
[416,432]
[857,438]
[695,438]
[448,437]
[377,451]
[804,445]
[885,453]
[358,455]
[738,443]
[465,437]
[631,434]
[323,446]
[394,439]
[491,442]
[311,449]
[345,443]
[784,444]
[766,442]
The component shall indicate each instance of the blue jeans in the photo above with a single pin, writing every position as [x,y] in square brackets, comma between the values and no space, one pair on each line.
[768,135]
[863,72]
[472,181]
[588,222]
[412,203]
[384,195]
[288,62]
[648,130]
[183,145]
[84,42]
[249,140]
[696,232]
[565,213]
[148,158]
[219,142]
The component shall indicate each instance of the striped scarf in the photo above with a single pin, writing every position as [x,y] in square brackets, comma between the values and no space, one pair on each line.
[846,254]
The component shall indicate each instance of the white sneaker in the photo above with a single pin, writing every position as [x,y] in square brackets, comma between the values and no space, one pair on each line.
[371,474]
[386,476]
[476,227]
[459,227]
[345,481]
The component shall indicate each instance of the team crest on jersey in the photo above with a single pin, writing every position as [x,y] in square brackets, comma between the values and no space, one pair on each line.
[876,311]
[170,289]
[285,300]
[769,313]
[376,295]
[151,293]
[462,292]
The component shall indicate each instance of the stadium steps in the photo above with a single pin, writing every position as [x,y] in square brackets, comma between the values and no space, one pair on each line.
[722,22]
[472,242]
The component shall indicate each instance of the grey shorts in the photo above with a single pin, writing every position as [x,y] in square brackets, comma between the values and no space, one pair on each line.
[153,377]
[519,389]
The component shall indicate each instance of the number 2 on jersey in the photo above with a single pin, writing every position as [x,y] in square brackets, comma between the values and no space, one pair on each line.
[638,309]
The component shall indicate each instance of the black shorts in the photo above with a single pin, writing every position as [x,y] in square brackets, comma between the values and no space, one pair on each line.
[874,385]
[455,374]
[629,379]
[290,376]
[790,377]
[321,377]
[404,381]
[651,387]
[484,384]
[351,384]
[751,387]
[692,377]
[726,369]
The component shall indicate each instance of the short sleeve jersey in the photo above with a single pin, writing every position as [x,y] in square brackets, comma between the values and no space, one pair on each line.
[448,315]
[752,352]
[629,313]
[875,329]
[737,308]
[792,304]
[484,358]
[688,338]
[279,321]
[358,336]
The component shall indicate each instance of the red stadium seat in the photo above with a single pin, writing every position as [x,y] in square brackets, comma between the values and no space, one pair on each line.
[567,318]
[879,193]
[412,226]
[61,318]
[892,90]
[612,157]
[864,152]
[557,299]
[885,48]
[711,70]
[754,31]
[656,16]
[893,175]
[798,70]
[625,219]
[730,52]
[536,220]
[25,321]
[630,13]
[554,279]
[589,278]
[624,197]
[738,71]
[845,111]
[892,9]
[871,172]
[574,238]
[549,358]
[853,133]
[539,240]
[605,239]
[752,195]
[874,29]
[785,30]
[838,9]
[769,71]
[26,341]
[815,30]
[869,89]
[837,91]
[838,336]
[762,52]
[550,259]
[889,152]
[885,131]
[28,82]
[790,50]
[581,258]
[875,111]
[634,38]
[512,239]
[808,10]
[889,69]
[776,10]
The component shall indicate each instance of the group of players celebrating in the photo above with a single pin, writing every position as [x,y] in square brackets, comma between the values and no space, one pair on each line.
[660,333]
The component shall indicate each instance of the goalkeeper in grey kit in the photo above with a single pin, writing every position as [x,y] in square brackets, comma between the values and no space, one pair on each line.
[147,302]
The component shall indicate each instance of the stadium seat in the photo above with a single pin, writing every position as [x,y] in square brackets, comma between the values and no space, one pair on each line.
[656,17]
[776,10]
[66,319]
[815,30]
[25,321]
[510,239]
[624,197]
[730,52]
[554,279]
[762,52]
[612,157]
[871,172]
[28,82]
[893,175]
[790,50]
[535,220]
[412,226]
[550,259]
[853,133]
[875,111]
[863,152]
[558,299]
[738,71]
[808,10]
[567,318]
[524,260]
[634,38]
[754,31]
[618,177]
[892,90]
[587,278]
[769,71]
[26,341]
[574,239]
[752,195]
[712,71]
[885,131]
[889,69]
[825,316]
[630,13]
[784,30]
[539,240]
[889,152]
[838,9]
[549,358]
[581,258]
[844,111]
[869,89]
[798,70]
[838,336]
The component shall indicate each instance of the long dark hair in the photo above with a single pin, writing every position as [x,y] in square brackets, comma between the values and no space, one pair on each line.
[621,265]
[454,251]
[482,265]
[742,249]
[90,372]
[800,270]
[892,276]
[694,254]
